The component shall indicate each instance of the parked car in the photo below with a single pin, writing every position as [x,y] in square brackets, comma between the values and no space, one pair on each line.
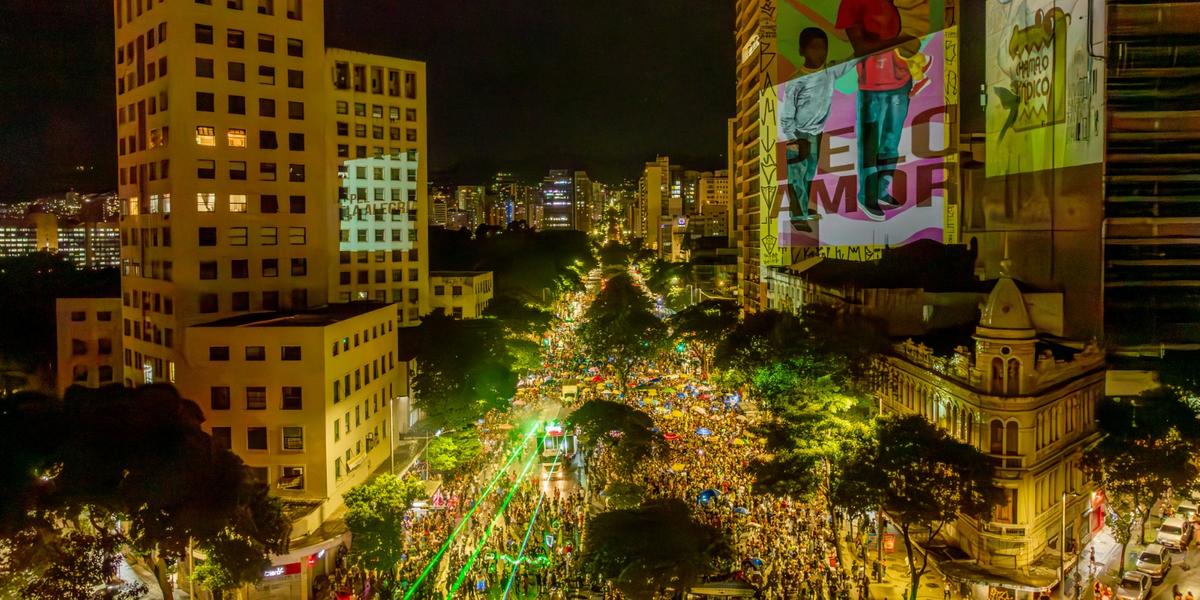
[1154,561]
[1174,533]
[1186,508]
[1134,586]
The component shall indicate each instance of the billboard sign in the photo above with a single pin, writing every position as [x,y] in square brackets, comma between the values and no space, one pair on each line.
[1045,107]
[862,151]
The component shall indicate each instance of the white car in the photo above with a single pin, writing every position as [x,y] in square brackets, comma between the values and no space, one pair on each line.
[1174,533]
[1134,586]
[1154,561]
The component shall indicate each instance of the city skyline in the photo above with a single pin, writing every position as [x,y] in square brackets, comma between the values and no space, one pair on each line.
[607,115]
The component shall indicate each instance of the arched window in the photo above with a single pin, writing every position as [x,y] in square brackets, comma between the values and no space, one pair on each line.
[1010,439]
[1014,377]
[997,375]
[996,437]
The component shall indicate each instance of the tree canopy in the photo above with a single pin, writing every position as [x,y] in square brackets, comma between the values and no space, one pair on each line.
[375,515]
[700,327]
[620,326]
[523,261]
[652,547]
[464,370]
[139,456]
[634,439]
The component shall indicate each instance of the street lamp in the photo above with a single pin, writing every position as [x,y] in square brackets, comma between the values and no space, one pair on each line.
[1062,542]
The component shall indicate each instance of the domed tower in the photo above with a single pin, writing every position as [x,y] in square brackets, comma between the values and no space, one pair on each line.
[1005,341]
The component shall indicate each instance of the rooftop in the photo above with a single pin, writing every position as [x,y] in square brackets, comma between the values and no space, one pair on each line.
[313,317]
[458,273]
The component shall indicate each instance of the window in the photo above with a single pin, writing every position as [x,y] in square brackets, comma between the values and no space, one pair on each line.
[295,78]
[296,205]
[206,135]
[219,397]
[267,140]
[296,236]
[206,169]
[222,437]
[240,268]
[104,346]
[296,142]
[299,267]
[205,102]
[79,373]
[237,105]
[78,347]
[270,301]
[295,110]
[410,114]
[295,10]
[256,353]
[296,173]
[235,38]
[79,315]
[266,75]
[206,202]
[292,398]
[101,316]
[342,107]
[268,204]
[289,353]
[204,67]
[270,267]
[266,171]
[256,439]
[208,269]
[237,202]
[237,170]
[239,236]
[266,107]
[218,353]
[266,42]
[295,47]
[235,4]
[266,7]
[204,34]
[236,71]
[269,236]
[209,303]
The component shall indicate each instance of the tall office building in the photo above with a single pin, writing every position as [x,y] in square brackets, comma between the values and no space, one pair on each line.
[558,200]
[376,144]
[584,196]
[754,32]
[654,204]
[713,196]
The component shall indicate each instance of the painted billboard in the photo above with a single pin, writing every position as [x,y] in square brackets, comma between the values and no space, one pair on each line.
[1045,94]
[862,152]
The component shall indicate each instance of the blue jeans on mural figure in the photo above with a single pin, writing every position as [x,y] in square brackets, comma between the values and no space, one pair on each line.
[880,124]
[802,155]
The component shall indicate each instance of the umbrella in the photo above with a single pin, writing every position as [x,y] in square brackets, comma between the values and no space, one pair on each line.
[652,402]
[742,418]
[707,496]
[703,431]
[676,413]
[518,403]
[597,379]
[699,409]
[504,426]
[740,510]
[669,390]
[739,442]
[670,436]
[677,467]
[756,561]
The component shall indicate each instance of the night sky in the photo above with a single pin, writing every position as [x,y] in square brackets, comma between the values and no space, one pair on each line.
[522,85]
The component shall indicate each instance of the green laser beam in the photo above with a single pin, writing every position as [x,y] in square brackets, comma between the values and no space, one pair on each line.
[453,534]
[462,573]
[528,530]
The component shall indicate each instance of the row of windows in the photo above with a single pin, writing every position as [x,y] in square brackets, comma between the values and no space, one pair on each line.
[236,38]
[80,347]
[290,397]
[364,235]
[127,15]
[149,235]
[149,171]
[149,301]
[379,173]
[367,335]
[361,257]
[268,204]
[240,236]
[148,331]
[154,104]
[147,39]
[440,290]
[264,7]
[291,439]
[363,375]
[235,104]
[137,77]
[347,76]
[381,277]
[81,315]
[239,268]
[342,107]
[240,301]
[267,171]
[104,373]
[342,128]
[206,135]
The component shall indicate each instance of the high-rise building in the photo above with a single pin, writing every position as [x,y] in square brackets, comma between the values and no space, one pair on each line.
[655,204]
[558,200]
[88,243]
[381,187]
[714,196]
[584,198]
[754,37]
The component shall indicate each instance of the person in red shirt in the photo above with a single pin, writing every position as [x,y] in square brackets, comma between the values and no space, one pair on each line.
[875,29]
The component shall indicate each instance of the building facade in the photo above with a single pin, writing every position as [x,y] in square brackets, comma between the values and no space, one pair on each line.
[461,294]
[88,244]
[558,200]
[754,33]
[89,342]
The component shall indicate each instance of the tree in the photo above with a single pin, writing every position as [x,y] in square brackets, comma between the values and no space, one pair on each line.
[627,430]
[519,317]
[135,456]
[620,326]
[457,383]
[614,253]
[1147,451]
[702,326]
[659,545]
[667,279]
[922,478]
[449,453]
[375,515]
[75,565]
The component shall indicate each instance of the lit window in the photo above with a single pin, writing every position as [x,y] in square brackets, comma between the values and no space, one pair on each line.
[206,202]
[207,136]
[237,203]
[236,138]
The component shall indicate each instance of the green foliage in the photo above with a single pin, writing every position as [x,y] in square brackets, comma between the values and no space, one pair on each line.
[641,550]
[620,326]
[464,370]
[449,453]
[921,477]
[637,440]
[518,316]
[523,261]
[702,326]
[375,515]
[614,253]
[667,279]
[1147,451]
[75,564]
[138,456]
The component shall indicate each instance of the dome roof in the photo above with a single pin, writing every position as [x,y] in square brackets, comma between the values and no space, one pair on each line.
[1004,315]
